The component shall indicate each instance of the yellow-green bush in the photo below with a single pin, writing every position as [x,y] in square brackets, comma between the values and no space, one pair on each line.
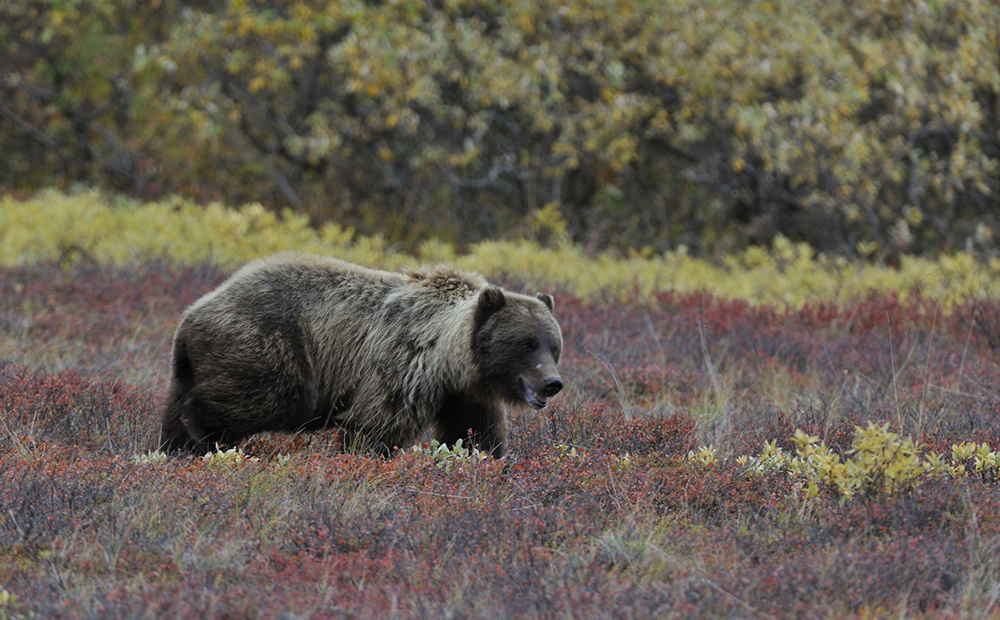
[878,462]
[865,127]
[89,226]
[831,121]
[985,462]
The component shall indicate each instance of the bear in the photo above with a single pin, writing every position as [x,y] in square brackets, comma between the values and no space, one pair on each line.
[299,342]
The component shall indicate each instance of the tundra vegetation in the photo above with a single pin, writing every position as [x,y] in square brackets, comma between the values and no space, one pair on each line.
[770,228]
[795,437]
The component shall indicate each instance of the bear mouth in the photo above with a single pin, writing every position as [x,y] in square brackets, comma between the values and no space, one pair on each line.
[533,398]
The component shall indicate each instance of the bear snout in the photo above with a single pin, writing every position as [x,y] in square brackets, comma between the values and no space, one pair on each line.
[551,387]
[537,394]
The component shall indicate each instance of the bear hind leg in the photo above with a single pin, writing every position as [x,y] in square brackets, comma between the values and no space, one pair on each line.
[179,430]
[174,430]
[173,435]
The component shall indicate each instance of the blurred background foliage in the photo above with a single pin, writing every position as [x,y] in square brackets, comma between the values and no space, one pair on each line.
[860,128]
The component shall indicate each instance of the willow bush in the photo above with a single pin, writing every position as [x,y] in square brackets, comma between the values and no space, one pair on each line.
[866,128]
[91,228]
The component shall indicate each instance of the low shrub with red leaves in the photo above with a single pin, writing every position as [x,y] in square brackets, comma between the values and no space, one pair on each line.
[597,512]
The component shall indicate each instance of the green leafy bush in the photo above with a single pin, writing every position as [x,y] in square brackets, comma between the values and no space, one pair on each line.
[446,457]
[233,457]
[73,107]
[985,462]
[866,128]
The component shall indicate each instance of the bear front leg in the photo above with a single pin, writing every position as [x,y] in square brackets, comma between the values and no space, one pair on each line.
[484,425]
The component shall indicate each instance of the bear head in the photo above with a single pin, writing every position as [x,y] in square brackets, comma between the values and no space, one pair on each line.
[517,343]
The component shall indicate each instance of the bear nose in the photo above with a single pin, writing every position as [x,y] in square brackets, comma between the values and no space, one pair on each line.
[552,387]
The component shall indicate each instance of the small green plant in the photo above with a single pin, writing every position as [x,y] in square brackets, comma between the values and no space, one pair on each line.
[771,458]
[228,458]
[8,599]
[622,463]
[447,457]
[565,451]
[705,455]
[150,458]
[883,461]
[985,462]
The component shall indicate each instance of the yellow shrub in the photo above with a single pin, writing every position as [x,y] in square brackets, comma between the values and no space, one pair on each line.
[91,226]
[985,462]
[878,462]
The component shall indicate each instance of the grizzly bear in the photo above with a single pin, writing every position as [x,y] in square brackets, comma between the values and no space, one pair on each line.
[299,342]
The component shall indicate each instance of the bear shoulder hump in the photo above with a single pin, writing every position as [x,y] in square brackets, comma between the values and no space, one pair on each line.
[446,280]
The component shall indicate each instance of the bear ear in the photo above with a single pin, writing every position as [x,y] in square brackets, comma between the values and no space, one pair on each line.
[491,301]
[546,299]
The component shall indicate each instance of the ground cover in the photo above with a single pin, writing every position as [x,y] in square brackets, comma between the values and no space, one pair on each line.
[661,483]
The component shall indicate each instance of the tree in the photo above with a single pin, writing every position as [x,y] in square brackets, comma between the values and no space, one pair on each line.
[67,90]
[859,128]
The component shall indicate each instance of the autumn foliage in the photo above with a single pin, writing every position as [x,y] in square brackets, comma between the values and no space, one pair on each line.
[654,486]
[866,128]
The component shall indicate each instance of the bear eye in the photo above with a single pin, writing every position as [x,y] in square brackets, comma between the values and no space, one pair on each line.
[555,352]
[529,344]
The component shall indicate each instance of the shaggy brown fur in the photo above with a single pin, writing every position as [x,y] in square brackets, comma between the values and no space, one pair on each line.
[298,342]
